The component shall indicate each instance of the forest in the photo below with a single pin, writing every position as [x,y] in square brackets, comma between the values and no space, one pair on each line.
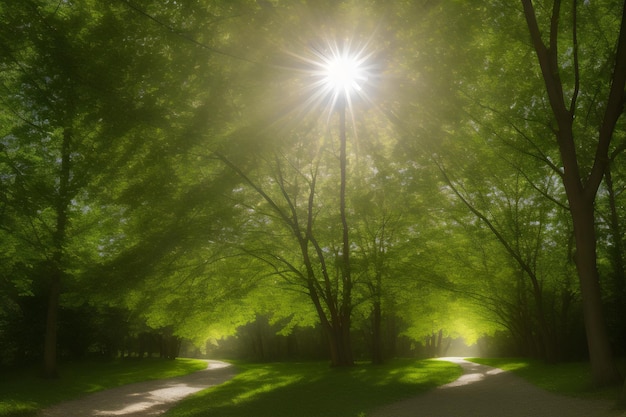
[187,175]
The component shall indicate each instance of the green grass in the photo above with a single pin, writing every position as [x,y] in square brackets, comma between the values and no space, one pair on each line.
[24,393]
[572,379]
[315,389]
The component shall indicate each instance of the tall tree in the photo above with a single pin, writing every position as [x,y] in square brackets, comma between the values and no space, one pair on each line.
[582,181]
[296,179]
[291,191]
[106,104]
[44,96]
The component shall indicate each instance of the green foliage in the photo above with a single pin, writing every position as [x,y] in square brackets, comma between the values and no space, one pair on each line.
[458,218]
[315,390]
[25,393]
[84,84]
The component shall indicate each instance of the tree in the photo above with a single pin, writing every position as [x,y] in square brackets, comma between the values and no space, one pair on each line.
[41,151]
[294,176]
[581,182]
[290,191]
[525,223]
[95,137]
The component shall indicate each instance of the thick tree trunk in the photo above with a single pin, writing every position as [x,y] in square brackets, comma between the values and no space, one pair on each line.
[336,329]
[340,351]
[600,354]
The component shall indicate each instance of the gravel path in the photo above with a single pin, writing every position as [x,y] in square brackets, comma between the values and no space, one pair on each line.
[149,398]
[484,391]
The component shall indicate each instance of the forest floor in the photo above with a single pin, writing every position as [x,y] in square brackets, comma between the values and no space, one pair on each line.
[149,398]
[481,391]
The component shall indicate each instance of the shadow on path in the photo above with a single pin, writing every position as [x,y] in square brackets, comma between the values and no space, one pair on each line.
[483,391]
[149,398]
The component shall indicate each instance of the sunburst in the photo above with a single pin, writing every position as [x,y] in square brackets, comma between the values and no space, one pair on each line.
[335,75]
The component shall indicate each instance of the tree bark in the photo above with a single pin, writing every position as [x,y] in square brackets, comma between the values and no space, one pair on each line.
[600,353]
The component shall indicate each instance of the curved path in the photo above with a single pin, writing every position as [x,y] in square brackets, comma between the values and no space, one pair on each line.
[149,398]
[483,391]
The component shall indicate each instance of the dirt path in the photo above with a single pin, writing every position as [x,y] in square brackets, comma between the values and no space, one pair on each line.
[481,392]
[148,398]
[490,392]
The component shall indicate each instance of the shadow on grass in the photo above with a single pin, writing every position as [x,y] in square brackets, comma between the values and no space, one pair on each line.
[23,393]
[568,378]
[143,398]
[314,389]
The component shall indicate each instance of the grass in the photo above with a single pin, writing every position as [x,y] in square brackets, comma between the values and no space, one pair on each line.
[24,393]
[571,379]
[310,389]
[315,389]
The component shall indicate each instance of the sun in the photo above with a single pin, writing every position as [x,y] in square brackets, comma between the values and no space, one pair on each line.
[334,73]
[340,71]
[343,73]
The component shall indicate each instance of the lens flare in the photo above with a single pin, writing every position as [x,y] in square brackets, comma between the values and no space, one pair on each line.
[343,74]
[334,73]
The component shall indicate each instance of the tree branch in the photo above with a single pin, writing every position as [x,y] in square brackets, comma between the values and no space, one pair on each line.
[614,109]
[548,59]
[572,106]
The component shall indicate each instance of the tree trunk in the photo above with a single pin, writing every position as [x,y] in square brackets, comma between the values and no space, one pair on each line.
[340,351]
[50,343]
[377,348]
[56,268]
[439,345]
[345,311]
[446,348]
[336,329]
[344,339]
[333,346]
[601,357]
